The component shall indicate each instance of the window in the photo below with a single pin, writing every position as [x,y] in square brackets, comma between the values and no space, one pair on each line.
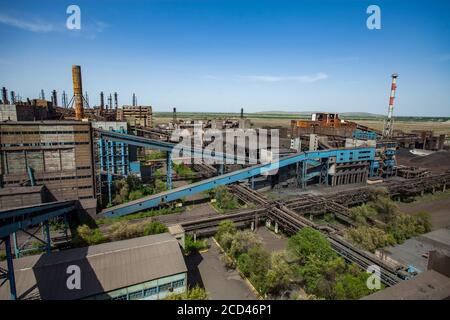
[165,287]
[178,283]
[135,295]
[122,297]
[150,291]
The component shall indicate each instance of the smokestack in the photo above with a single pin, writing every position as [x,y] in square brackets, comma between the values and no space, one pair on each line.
[102,102]
[116,102]
[134,103]
[110,102]
[174,115]
[242,113]
[77,91]
[64,99]
[54,98]
[5,96]
[13,97]
[42,94]
[389,124]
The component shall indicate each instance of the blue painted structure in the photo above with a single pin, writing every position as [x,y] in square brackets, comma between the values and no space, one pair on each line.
[364,135]
[341,156]
[15,219]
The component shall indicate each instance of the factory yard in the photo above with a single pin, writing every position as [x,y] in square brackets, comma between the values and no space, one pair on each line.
[438,209]
[207,270]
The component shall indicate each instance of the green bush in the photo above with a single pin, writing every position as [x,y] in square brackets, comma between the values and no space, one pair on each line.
[154,227]
[368,238]
[191,246]
[195,293]
[225,200]
[87,236]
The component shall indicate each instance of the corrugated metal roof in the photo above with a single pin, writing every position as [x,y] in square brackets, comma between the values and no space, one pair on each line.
[429,285]
[104,267]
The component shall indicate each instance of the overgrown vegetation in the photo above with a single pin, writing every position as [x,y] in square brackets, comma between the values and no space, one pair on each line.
[123,230]
[308,261]
[191,246]
[321,272]
[120,230]
[195,293]
[141,215]
[87,236]
[391,225]
[183,171]
[225,200]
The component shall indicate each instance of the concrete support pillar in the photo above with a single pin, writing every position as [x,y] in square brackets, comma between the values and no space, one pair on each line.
[276,227]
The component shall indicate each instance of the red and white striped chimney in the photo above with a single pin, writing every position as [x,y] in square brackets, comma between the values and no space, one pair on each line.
[389,125]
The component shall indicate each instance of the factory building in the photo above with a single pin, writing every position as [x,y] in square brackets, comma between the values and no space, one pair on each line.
[57,154]
[136,115]
[145,268]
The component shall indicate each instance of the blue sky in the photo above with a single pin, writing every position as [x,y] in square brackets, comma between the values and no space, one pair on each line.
[221,55]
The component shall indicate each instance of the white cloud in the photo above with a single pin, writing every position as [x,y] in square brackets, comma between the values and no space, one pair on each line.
[28,25]
[301,78]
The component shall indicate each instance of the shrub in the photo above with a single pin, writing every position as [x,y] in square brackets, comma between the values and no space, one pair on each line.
[154,227]
[368,238]
[195,293]
[194,246]
[88,236]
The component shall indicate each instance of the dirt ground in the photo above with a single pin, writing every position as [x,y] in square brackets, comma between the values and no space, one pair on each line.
[438,209]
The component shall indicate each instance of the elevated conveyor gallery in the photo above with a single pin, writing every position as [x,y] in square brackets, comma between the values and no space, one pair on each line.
[340,156]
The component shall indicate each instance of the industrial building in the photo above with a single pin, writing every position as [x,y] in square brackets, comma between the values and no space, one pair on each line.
[145,268]
[136,115]
[57,154]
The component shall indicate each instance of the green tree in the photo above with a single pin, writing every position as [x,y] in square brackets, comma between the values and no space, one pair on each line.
[280,274]
[242,242]
[310,242]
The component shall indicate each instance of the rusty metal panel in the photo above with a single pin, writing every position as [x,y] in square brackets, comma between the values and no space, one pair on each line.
[35,160]
[16,162]
[68,159]
[52,160]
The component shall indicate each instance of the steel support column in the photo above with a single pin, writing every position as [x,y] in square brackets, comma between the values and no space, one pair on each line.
[10,265]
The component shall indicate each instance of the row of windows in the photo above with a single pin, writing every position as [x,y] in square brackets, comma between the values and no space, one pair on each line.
[55,179]
[151,291]
[43,144]
[83,168]
[43,132]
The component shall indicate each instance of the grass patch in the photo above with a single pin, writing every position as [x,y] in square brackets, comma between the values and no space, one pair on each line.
[141,215]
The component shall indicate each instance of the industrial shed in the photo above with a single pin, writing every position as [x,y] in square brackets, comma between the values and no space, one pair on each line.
[148,268]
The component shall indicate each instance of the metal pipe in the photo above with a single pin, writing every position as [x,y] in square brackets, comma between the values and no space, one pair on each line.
[77,91]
